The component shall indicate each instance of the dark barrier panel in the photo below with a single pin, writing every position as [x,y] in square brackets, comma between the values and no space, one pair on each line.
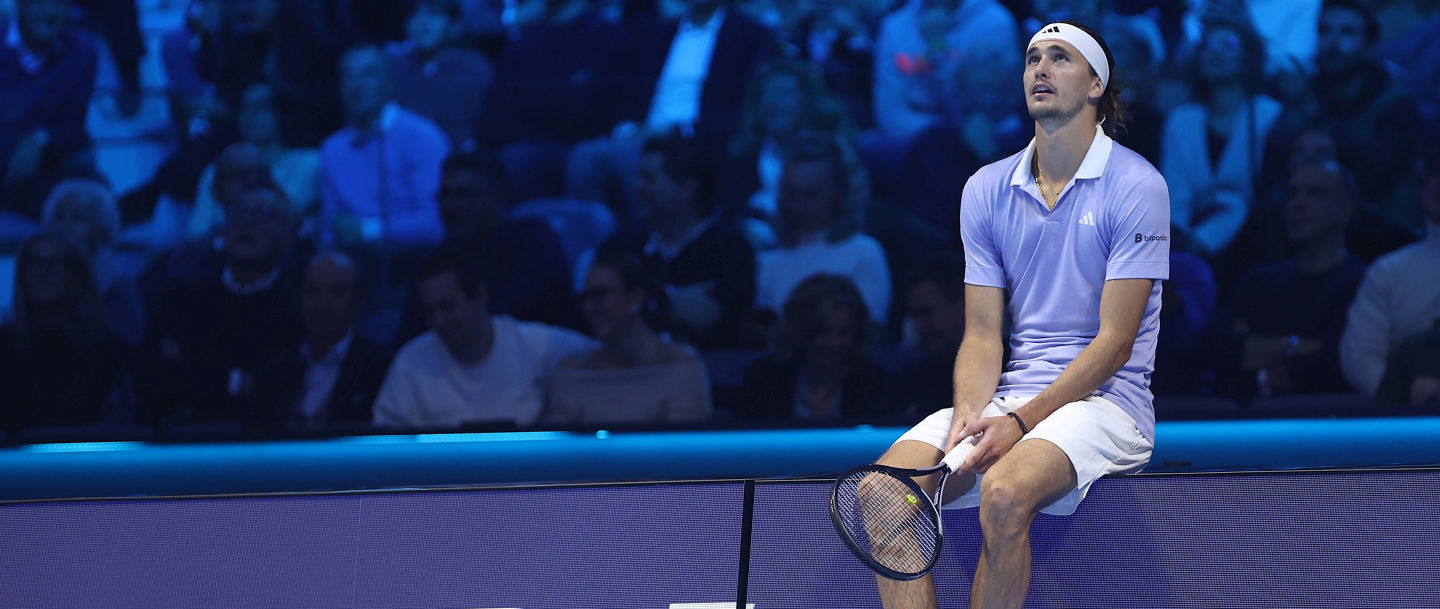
[1295,540]
[559,548]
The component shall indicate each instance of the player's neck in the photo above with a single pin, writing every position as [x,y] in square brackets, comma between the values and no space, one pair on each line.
[1059,150]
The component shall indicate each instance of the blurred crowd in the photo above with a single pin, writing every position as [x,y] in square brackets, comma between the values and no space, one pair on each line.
[486,214]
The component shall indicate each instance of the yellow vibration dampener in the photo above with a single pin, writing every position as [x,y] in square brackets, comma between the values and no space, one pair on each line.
[911,498]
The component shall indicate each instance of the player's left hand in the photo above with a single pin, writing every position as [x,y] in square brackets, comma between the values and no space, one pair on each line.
[995,436]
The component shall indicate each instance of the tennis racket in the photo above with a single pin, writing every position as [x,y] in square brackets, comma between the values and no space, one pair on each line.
[887,520]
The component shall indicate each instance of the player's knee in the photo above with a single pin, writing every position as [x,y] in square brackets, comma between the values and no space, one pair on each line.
[1005,506]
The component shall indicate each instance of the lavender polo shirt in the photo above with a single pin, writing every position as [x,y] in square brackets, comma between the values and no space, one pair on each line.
[1111,222]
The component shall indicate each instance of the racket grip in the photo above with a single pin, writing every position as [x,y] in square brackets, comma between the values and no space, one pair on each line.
[957,455]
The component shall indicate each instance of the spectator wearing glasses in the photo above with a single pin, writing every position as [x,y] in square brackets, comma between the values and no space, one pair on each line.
[636,376]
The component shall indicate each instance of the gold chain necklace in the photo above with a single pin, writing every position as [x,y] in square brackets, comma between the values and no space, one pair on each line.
[1039,176]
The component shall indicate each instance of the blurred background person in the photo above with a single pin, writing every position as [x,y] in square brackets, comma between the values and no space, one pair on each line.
[818,369]
[437,78]
[820,233]
[1211,150]
[707,267]
[295,170]
[470,367]
[212,333]
[86,211]
[636,376]
[381,171]
[47,74]
[59,363]
[787,101]
[1399,296]
[331,381]
[1281,327]
[935,313]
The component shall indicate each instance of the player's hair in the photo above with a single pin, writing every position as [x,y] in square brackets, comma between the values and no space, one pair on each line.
[1111,112]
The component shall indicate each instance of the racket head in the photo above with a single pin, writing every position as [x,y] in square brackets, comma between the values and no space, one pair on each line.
[887,520]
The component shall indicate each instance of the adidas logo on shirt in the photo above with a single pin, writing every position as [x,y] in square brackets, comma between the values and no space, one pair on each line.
[1088,219]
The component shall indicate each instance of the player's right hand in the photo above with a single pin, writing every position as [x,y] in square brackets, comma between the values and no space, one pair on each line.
[962,426]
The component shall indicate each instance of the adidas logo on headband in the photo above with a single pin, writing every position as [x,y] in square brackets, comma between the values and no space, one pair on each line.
[1083,42]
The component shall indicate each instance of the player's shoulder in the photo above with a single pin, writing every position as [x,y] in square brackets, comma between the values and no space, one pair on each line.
[1133,173]
[1129,162]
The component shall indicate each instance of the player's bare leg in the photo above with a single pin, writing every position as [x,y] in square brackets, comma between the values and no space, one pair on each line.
[1032,475]
[919,593]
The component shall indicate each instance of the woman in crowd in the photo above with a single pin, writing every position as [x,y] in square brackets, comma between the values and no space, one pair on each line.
[59,363]
[636,376]
[1211,149]
[819,232]
[86,211]
[818,368]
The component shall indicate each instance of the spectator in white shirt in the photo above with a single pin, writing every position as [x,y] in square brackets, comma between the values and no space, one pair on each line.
[820,233]
[1399,296]
[470,367]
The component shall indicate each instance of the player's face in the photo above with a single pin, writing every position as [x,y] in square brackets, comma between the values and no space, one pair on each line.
[605,302]
[450,312]
[1058,81]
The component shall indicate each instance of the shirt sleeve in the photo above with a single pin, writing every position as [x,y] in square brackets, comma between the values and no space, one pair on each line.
[872,278]
[396,404]
[1365,344]
[418,221]
[983,263]
[1140,231]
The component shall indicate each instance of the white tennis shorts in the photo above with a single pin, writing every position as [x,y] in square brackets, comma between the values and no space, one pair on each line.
[1094,433]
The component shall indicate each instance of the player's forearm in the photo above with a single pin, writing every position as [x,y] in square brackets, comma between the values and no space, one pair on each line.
[1095,365]
[977,374]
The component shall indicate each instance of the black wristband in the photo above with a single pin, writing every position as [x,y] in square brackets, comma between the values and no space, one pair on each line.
[1019,421]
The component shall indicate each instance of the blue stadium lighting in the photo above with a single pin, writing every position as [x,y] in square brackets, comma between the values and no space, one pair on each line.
[82,447]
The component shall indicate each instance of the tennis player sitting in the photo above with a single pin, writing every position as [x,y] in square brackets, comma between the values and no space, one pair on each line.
[1076,229]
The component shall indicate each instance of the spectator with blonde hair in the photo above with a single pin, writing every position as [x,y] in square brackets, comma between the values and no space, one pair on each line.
[820,233]
[86,211]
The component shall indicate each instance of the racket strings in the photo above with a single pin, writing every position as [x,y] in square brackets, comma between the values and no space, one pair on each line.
[889,521]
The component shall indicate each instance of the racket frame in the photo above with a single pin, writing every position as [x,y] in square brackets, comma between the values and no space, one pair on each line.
[932,509]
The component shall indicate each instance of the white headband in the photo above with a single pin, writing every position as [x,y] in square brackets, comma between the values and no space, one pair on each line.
[1082,42]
